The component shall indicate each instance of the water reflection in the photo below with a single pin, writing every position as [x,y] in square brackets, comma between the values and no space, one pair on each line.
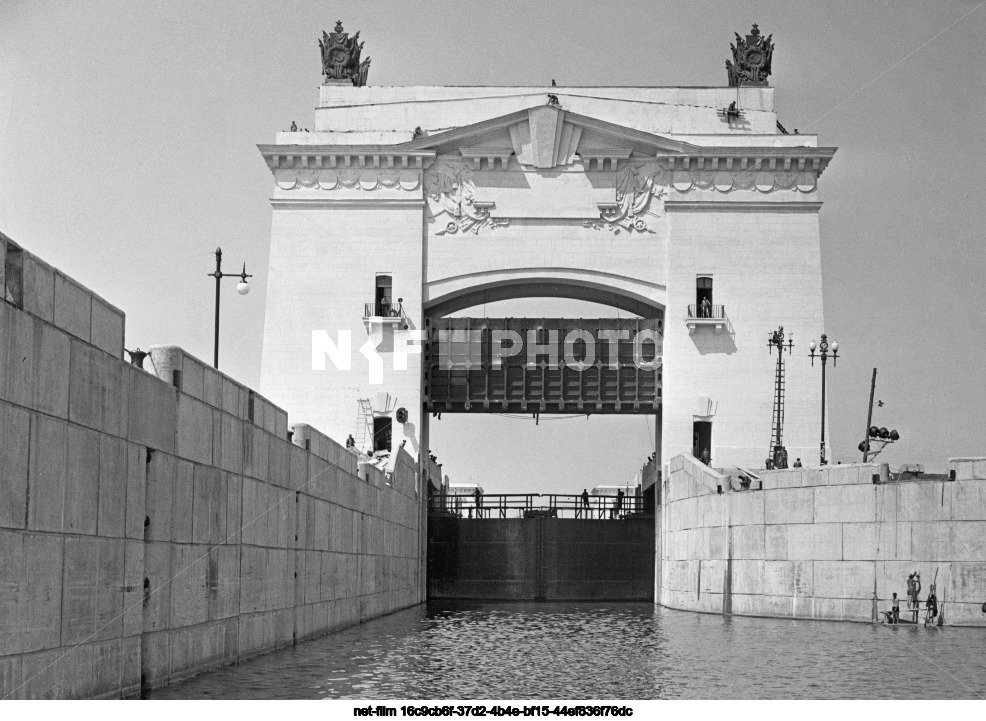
[596,651]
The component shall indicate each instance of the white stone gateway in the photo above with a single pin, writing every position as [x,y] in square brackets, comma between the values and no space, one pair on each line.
[409,203]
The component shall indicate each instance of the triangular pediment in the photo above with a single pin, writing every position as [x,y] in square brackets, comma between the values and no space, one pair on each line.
[547,136]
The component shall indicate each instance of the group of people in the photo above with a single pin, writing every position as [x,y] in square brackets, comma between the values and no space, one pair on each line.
[615,510]
[913,603]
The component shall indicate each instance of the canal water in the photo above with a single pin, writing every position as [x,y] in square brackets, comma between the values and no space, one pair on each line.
[606,651]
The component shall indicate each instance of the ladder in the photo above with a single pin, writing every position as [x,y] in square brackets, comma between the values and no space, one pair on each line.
[364,424]
[777,428]
[776,340]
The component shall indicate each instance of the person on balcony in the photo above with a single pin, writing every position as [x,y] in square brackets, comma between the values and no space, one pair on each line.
[706,308]
[384,306]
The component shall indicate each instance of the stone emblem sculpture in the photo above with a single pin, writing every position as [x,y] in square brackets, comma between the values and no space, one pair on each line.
[340,57]
[751,59]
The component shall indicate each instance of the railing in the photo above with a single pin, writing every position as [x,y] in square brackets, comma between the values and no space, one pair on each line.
[714,312]
[524,505]
[383,310]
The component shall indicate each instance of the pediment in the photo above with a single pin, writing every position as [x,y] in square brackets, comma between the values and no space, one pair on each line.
[547,136]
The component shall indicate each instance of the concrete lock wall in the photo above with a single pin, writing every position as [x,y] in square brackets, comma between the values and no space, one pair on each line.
[541,559]
[152,527]
[824,543]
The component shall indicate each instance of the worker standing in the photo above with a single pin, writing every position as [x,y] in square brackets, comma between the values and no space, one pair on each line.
[478,493]
[913,589]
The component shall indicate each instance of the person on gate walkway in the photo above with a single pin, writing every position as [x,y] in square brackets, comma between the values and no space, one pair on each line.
[705,456]
[478,493]
[585,502]
[617,505]
[895,611]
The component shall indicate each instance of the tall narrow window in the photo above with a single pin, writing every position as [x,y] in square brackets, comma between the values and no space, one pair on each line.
[382,433]
[703,296]
[702,440]
[384,295]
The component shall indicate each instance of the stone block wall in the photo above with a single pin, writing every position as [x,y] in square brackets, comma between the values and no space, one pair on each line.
[829,543]
[157,523]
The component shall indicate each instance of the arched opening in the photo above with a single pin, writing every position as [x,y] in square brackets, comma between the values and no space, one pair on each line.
[501,460]
[629,295]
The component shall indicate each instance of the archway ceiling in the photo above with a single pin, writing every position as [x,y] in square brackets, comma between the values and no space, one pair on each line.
[543,288]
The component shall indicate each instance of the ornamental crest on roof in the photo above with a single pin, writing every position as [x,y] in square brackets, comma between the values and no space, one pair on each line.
[751,59]
[341,57]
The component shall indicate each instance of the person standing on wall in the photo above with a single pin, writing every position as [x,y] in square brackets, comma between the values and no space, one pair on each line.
[931,605]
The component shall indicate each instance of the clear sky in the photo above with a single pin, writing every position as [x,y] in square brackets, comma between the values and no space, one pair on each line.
[127,154]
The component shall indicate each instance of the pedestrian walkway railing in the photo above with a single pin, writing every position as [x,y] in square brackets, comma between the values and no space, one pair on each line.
[532,505]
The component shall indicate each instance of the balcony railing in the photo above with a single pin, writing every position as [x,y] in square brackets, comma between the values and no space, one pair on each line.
[717,312]
[710,315]
[383,310]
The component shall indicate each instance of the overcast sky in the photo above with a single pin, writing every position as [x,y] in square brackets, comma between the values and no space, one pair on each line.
[127,154]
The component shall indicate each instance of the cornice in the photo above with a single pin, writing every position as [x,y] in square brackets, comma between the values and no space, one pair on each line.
[374,202]
[750,158]
[705,205]
[344,156]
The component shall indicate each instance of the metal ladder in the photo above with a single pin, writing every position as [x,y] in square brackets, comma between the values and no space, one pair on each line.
[777,426]
[364,424]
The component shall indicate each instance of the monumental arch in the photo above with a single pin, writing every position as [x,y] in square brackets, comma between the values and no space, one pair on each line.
[645,199]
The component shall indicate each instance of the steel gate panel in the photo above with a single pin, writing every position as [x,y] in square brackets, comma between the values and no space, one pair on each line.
[496,365]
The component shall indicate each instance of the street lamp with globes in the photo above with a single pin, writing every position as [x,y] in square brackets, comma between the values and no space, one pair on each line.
[242,288]
[823,353]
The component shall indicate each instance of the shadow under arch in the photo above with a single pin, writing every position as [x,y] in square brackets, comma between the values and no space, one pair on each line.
[585,286]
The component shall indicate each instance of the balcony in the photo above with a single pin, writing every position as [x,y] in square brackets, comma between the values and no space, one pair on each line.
[713,316]
[378,315]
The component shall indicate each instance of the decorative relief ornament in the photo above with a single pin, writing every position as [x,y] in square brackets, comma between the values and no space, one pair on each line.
[340,57]
[348,178]
[725,181]
[450,188]
[751,59]
[635,186]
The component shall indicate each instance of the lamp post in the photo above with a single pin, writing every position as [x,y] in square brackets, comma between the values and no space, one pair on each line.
[242,288]
[823,353]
